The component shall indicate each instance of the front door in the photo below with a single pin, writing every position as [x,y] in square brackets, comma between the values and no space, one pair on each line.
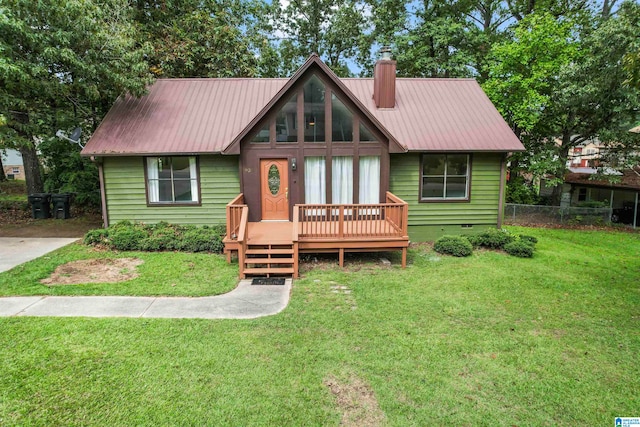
[274,189]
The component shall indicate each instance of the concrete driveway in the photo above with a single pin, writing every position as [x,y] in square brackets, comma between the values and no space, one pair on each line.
[18,250]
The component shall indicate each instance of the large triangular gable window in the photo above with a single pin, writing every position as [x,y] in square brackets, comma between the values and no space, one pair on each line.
[341,121]
[326,125]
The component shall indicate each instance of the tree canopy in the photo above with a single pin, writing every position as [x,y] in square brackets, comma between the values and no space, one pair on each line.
[560,71]
[62,64]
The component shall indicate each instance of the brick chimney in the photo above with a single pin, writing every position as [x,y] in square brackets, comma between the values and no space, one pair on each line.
[384,80]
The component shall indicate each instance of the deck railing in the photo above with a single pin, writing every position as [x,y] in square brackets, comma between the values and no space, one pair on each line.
[361,221]
[243,237]
[234,216]
[398,218]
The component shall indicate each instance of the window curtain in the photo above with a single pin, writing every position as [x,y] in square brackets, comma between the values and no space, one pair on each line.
[152,177]
[194,179]
[315,191]
[342,180]
[369,192]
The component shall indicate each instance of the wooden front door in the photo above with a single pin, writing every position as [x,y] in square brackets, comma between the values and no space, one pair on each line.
[274,189]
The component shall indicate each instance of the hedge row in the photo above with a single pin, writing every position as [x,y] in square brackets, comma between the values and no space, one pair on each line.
[127,236]
[521,245]
[14,205]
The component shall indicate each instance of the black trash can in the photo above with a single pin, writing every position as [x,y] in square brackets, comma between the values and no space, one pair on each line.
[61,205]
[40,205]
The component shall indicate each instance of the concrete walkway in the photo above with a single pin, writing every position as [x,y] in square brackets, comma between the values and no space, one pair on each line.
[244,302]
[18,250]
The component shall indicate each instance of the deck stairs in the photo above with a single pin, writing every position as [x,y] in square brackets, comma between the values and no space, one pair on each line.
[269,260]
[269,251]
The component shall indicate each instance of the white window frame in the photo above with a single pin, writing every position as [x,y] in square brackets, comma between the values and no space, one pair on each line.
[153,187]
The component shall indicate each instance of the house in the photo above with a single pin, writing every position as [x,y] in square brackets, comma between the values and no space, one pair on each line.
[12,164]
[313,163]
[586,154]
[621,193]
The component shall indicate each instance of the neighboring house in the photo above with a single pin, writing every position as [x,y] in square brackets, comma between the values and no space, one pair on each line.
[425,156]
[586,154]
[621,194]
[12,164]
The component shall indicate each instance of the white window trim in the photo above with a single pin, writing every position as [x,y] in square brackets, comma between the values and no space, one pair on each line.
[153,187]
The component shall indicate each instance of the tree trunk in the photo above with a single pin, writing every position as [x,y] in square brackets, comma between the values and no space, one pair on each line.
[32,169]
[3,177]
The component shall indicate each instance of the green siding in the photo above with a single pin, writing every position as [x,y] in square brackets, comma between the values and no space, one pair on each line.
[429,220]
[126,192]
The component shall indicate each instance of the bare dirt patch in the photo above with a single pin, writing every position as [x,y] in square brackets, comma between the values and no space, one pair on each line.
[357,402]
[103,270]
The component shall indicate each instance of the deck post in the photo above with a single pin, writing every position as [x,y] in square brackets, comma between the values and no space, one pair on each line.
[341,257]
[404,257]
[294,238]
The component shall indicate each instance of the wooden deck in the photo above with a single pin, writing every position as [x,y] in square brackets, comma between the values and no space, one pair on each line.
[272,248]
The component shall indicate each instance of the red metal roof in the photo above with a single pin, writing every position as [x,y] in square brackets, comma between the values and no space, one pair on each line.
[182,116]
[195,116]
[440,115]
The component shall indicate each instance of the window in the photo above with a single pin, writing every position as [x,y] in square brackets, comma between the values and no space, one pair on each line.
[315,180]
[16,171]
[342,180]
[314,116]
[369,192]
[341,121]
[172,180]
[365,134]
[582,194]
[445,177]
[286,128]
[262,136]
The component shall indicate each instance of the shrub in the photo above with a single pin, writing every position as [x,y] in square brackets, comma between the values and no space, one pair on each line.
[127,239]
[518,191]
[201,240]
[593,204]
[14,205]
[13,187]
[519,248]
[474,239]
[95,237]
[453,245]
[528,239]
[127,236]
[494,238]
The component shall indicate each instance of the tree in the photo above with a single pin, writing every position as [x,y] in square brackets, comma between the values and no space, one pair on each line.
[559,82]
[434,45]
[193,38]
[631,63]
[334,29]
[62,64]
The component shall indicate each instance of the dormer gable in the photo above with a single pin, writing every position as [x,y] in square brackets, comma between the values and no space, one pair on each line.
[314,106]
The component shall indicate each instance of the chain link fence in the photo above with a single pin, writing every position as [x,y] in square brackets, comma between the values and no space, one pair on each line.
[535,214]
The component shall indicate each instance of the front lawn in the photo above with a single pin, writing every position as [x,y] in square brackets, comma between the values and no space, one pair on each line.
[166,274]
[485,340]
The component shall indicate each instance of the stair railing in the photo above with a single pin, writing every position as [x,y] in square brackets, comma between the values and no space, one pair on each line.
[243,236]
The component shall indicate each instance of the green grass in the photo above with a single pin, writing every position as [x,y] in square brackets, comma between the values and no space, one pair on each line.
[13,197]
[169,274]
[487,340]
